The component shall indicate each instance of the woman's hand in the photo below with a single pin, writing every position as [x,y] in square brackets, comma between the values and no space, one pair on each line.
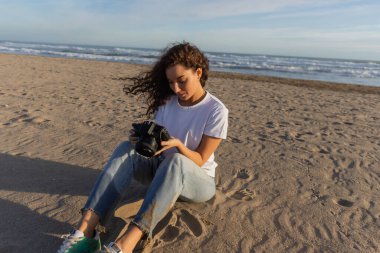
[133,138]
[171,143]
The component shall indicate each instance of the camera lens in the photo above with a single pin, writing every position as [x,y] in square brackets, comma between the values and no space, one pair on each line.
[146,147]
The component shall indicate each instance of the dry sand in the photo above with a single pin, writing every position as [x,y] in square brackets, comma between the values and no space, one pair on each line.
[299,171]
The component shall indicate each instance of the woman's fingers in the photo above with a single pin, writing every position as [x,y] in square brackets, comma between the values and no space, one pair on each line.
[161,150]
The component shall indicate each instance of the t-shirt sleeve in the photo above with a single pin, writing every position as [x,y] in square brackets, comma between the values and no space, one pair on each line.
[217,123]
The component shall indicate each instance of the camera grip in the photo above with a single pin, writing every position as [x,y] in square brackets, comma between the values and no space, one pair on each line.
[165,135]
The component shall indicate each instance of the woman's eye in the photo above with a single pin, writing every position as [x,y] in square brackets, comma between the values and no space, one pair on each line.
[181,82]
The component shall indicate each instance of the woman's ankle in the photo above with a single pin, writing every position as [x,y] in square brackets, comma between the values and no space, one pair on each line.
[130,239]
[88,223]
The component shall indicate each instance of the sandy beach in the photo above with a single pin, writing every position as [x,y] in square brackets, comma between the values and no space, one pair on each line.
[299,171]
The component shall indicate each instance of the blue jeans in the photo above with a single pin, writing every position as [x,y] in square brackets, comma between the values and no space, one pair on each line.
[173,177]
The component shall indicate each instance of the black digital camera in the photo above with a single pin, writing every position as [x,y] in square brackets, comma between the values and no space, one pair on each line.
[150,136]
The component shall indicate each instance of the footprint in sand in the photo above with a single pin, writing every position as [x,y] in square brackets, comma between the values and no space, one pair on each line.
[246,175]
[170,234]
[191,222]
[237,187]
[344,202]
[244,194]
[177,224]
[343,167]
[243,174]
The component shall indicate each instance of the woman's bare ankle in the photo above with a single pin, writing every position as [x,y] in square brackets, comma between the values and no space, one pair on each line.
[130,239]
[88,223]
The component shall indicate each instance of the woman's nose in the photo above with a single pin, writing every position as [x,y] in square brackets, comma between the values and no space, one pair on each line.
[176,87]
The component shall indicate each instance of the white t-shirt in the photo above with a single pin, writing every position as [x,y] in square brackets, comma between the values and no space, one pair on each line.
[188,123]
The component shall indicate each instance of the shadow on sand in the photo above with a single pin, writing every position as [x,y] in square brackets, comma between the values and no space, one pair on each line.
[25,230]
[22,229]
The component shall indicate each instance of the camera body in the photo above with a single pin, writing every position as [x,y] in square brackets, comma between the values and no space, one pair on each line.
[150,136]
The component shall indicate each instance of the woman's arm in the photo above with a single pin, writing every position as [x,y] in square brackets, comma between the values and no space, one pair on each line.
[207,146]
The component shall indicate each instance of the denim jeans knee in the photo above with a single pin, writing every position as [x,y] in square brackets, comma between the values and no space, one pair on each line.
[177,176]
[116,176]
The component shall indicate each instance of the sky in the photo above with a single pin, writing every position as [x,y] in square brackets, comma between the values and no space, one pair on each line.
[347,29]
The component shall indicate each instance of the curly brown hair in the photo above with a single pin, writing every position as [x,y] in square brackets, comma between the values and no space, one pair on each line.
[154,83]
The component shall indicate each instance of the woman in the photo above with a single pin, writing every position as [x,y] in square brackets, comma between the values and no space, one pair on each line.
[183,168]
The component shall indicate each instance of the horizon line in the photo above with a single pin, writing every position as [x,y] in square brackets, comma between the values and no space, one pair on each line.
[206,51]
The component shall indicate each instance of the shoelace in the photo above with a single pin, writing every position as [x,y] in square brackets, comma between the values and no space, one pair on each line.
[69,240]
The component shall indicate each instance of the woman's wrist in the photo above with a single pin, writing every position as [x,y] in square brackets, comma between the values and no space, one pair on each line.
[179,145]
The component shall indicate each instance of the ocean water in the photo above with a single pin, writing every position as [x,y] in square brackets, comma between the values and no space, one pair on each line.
[333,70]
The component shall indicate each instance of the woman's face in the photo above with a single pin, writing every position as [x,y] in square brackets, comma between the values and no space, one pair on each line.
[185,83]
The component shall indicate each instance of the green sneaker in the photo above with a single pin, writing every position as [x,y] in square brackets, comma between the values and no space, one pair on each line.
[76,242]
